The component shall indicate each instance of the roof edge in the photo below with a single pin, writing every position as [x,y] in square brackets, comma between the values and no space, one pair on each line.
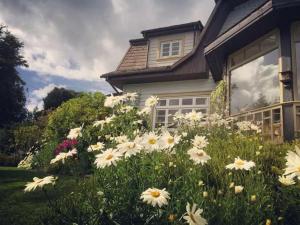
[192,26]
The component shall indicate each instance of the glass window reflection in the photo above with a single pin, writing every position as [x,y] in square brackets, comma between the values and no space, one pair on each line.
[255,84]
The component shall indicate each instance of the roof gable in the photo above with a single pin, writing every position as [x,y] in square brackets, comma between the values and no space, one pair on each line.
[239,12]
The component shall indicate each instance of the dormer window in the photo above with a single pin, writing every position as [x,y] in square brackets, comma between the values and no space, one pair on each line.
[170,49]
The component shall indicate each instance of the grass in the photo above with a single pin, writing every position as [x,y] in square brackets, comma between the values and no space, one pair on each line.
[17,207]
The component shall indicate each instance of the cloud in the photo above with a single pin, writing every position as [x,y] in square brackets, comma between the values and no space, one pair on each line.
[80,40]
[36,96]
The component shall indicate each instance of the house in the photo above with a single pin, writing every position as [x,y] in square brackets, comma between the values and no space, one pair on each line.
[252,44]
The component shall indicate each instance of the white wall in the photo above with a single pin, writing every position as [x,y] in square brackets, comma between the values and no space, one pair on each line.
[154,47]
[145,90]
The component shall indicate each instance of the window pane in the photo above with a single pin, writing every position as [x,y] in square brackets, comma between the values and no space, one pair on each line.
[174,102]
[184,111]
[171,116]
[255,84]
[298,67]
[175,48]
[165,49]
[237,59]
[162,102]
[161,112]
[269,42]
[187,101]
[252,51]
[201,101]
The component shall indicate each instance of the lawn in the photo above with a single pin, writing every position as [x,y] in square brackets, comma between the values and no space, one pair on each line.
[17,207]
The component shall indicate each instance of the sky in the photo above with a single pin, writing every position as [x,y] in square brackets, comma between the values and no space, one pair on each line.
[70,43]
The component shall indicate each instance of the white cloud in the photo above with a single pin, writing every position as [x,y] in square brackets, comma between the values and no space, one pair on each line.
[36,97]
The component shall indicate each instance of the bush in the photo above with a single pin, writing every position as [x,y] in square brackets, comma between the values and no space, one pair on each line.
[26,136]
[75,113]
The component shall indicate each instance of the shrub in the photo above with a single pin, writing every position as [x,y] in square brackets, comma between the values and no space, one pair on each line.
[26,136]
[74,113]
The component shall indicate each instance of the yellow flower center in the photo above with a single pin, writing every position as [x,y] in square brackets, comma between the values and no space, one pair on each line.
[131,145]
[240,162]
[200,154]
[170,140]
[171,217]
[155,194]
[110,156]
[298,169]
[152,141]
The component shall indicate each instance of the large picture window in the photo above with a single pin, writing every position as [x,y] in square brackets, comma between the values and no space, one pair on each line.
[254,79]
[296,44]
[167,107]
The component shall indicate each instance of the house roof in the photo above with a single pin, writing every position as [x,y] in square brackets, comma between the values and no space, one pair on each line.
[135,60]
[136,56]
[180,28]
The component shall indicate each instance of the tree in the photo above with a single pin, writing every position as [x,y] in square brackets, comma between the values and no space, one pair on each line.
[57,96]
[12,96]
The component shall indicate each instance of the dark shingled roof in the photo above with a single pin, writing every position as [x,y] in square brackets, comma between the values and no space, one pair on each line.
[136,56]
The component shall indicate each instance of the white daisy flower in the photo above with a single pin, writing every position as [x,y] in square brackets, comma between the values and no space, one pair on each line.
[120,139]
[194,117]
[39,183]
[129,148]
[63,156]
[131,96]
[144,111]
[99,123]
[151,101]
[238,189]
[167,141]
[240,164]
[293,163]
[193,215]
[109,119]
[74,133]
[198,156]
[150,141]
[200,142]
[155,197]
[107,158]
[97,147]
[112,101]
[287,180]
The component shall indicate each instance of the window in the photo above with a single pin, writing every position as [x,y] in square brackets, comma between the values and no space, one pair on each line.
[254,80]
[167,107]
[170,48]
[296,44]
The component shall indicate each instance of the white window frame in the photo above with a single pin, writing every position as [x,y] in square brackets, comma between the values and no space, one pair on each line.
[170,49]
[180,107]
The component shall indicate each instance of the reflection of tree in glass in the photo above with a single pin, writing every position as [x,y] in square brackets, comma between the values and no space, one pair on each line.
[260,102]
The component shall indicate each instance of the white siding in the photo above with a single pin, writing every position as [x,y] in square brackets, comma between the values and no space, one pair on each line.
[145,90]
[154,47]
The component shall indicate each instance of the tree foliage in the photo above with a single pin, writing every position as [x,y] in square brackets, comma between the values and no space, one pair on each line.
[74,113]
[57,96]
[12,97]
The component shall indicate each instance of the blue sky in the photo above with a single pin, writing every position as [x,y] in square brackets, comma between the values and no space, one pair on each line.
[70,43]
